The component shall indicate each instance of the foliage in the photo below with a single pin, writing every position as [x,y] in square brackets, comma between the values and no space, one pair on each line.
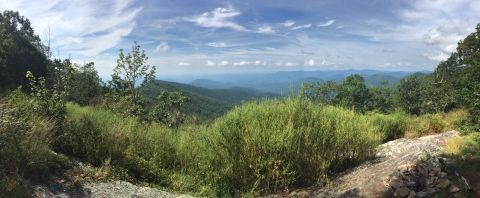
[20,51]
[427,124]
[167,109]
[80,83]
[25,146]
[205,104]
[351,93]
[409,94]
[267,146]
[131,68]
[49,103]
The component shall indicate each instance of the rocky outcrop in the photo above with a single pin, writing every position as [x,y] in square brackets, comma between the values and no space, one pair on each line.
[119,189]
[382,177]
[432,176]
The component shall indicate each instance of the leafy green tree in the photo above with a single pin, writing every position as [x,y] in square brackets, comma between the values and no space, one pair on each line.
[168,108]
[409,94]
[131,68]
[469,78]
[381,98]
[47,102]
[21,50]
[86,87]
[353,93]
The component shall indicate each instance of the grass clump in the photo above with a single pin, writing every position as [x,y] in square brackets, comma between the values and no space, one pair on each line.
[25,147]
[428,124]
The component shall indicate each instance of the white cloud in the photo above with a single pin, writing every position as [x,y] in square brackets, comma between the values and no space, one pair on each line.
[210,63]
[301,27]
[440,23]
[184,64]
[219,44]
[218,18]
[288,23]
[162,47]
[241,63]
[78,26]
[291,64]
[266,29]
[257,62]
[441,56]
[326,23]
[223,63]
[309,62]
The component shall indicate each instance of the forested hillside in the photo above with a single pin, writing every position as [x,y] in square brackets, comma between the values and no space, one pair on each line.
[204,102]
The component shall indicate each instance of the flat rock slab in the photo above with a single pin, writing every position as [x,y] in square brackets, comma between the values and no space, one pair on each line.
[121,189]
[371,179]
[117,189]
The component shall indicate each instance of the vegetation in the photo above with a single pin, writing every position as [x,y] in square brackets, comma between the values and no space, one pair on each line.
[352,93]
[21,50]
[205,104]
[134,129]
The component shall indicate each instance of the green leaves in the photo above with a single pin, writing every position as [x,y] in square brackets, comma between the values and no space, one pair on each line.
[130,69]
[167,109]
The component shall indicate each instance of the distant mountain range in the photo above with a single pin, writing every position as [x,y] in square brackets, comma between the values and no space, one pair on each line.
[286,81]
[213,95]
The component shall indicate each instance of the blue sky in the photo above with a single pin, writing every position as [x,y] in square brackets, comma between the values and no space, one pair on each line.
[205,37]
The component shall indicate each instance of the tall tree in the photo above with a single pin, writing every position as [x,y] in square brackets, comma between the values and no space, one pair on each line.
[354,93]
[409,94]
[131,68]
[21,50]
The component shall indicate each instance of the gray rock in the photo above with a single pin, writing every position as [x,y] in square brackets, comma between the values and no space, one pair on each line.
[402,192]
[422,194]
[453,189]
[444,183]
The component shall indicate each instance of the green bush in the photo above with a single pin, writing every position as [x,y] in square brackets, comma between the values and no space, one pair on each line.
[96,136]
[25,151]
[390,126]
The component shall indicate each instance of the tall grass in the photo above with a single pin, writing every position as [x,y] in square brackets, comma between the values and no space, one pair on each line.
[435,123]
[263,147]
[256,149]
[25,147]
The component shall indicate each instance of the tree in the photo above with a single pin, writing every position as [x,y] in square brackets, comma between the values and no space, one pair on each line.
[353,93]
[168,108]
[381,98]
[131,68]
[85,84]
[21,50]
[409,94]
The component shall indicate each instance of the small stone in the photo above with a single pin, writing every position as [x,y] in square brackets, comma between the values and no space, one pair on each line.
[402,192]
[436,169]
[444,183]
[443,175]
[431,190]
[397,184]
[412,194]
[453,189]
[422,194]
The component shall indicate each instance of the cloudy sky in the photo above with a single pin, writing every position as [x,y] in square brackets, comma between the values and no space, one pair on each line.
[216,36]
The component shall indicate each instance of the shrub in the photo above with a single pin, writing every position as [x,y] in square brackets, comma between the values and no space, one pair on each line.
[435,123]
[96,136]
[25,150]
[390,126]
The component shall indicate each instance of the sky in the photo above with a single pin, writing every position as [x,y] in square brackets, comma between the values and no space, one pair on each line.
[243,36]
